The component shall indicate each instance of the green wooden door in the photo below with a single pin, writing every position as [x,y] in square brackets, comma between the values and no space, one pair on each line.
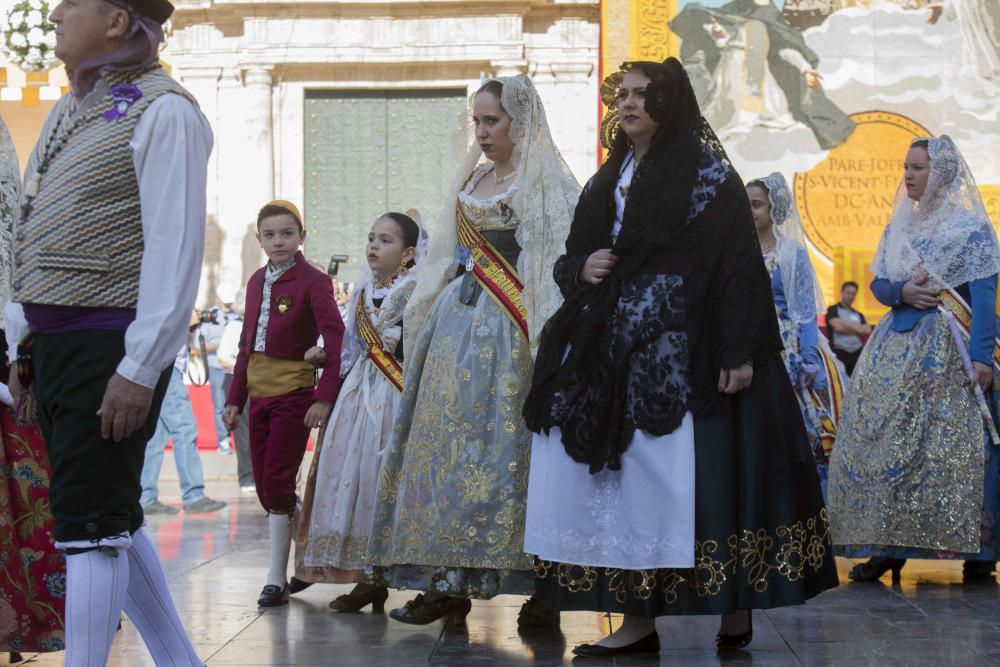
[368,152]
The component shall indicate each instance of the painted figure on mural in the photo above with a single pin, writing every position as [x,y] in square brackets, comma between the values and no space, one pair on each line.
[916,469]
[979,21]
[338,507]
[449,520]
[815,372]
[803,14]
[754,69]
[670,472]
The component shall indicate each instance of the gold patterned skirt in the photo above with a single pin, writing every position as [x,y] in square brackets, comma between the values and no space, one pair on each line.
[908,470]
[451,495]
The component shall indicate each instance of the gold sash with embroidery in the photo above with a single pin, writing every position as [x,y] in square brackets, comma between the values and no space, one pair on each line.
[493,273]
[374,347]
[952,302]
[835,391]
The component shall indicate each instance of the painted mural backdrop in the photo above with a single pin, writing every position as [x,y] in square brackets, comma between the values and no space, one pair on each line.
[830,93]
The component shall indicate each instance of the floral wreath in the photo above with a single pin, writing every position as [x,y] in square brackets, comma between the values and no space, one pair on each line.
[29,38]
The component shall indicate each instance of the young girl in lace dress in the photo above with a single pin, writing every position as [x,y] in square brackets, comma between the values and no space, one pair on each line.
[338,510]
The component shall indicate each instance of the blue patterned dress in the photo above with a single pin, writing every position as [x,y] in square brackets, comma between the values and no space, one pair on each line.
[803,353]
[914,474]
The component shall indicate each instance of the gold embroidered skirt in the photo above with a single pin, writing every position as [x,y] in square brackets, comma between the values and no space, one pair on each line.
[451,496]
[908,468]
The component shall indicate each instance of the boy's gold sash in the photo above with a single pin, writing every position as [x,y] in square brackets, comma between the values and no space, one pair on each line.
[491,270]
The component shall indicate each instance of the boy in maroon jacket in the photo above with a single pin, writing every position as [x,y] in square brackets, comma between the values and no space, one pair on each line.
[289,304]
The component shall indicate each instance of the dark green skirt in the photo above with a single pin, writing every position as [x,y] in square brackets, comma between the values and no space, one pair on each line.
[762,538]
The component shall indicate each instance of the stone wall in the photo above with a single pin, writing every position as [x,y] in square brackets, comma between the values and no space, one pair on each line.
[250,63]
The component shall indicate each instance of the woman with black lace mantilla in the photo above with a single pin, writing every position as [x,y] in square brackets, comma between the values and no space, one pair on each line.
[670,470]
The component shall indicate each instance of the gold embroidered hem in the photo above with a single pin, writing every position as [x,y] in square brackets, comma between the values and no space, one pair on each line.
[755,558]
[909,463]
[333,549]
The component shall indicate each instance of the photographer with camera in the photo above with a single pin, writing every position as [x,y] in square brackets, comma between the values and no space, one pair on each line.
[212,324]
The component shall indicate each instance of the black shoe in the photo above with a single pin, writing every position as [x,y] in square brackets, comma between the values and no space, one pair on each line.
[273,596]
[875,568]
[297,585]
[419,611]
[735,642]
[978,572]
[15,657]
[536,614]
[648,644]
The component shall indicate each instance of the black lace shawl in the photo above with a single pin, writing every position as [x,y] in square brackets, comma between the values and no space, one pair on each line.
[686,215]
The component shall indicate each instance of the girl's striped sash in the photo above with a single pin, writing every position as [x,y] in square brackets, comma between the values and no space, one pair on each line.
[371,344]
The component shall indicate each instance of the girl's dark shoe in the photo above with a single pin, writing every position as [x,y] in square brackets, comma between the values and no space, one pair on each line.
[875,568]
[418,611]
[738,641]
[297,585]
[352,604]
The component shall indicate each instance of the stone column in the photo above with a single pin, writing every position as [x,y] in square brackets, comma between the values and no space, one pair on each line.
[203,83]
[569,92]
[246,167]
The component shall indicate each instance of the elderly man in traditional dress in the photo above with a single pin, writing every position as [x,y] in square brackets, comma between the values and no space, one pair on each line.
[107,253]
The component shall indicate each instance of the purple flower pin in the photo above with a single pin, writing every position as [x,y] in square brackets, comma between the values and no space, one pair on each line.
[124,96]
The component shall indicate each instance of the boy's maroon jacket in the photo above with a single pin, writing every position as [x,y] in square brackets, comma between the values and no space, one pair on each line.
[311,311]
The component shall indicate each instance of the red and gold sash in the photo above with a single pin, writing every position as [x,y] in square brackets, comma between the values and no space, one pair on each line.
[491,270]
[835,390]
[952,302]
[372,341]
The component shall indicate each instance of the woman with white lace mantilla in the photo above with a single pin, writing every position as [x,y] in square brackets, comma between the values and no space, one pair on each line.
[449,519]
[670,473]
[816,374]
[916,470]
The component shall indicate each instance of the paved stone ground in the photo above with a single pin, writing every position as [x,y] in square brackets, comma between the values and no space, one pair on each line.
[216,565]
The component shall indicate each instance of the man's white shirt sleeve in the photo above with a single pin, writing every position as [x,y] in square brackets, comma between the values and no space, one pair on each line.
[170,149]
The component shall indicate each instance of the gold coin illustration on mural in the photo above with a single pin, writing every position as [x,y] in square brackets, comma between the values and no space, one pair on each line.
[846,199]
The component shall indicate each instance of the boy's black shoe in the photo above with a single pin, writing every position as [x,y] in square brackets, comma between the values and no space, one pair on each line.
[273,596]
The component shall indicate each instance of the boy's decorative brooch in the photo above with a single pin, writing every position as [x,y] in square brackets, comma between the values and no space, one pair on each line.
[284,302]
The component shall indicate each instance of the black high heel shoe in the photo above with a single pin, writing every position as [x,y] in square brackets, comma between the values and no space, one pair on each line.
[351,604]
[735,642]
[875,568]
[978,572]
[419,611]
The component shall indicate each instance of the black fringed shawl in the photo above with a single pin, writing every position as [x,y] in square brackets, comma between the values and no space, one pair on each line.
[687,216]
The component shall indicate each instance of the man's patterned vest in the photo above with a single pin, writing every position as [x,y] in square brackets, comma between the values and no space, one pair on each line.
[80,242]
